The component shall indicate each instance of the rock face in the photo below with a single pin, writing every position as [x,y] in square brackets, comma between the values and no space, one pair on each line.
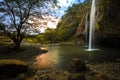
[111,42]
[77,66]
[11,68]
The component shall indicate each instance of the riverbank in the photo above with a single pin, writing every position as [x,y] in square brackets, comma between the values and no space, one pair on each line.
[98,71]
[28,53]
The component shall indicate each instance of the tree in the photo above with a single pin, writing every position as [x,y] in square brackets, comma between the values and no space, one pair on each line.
[50,35]
[15,13]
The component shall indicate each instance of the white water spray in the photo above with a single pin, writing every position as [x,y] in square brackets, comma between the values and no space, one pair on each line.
[92,26]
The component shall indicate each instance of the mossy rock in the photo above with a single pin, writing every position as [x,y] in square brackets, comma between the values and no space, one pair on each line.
[12,67]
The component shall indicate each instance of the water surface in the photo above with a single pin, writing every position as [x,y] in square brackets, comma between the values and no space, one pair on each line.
[61,55]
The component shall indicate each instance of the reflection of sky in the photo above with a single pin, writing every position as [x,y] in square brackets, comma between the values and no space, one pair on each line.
[47,60]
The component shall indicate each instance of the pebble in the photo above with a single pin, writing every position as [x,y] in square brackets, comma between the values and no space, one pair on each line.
[109,69]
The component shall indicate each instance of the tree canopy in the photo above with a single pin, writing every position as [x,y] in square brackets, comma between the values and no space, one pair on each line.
[15,13]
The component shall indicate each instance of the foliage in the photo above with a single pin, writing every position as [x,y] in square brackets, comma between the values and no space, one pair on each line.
[30,39]
[15,13]
[69,22]
[50,35]
[40,38]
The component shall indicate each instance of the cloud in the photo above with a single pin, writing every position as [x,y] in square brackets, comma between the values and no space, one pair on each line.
[62,3]
[65,3]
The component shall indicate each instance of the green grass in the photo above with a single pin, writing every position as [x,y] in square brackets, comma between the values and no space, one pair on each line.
[30,39]
[5,40]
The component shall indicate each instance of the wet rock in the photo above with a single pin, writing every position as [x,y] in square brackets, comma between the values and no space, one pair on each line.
[52,77]
[99,77]
[77,66]
[11,68]
[77,76]
[44,77]
[44,50]
[21,76]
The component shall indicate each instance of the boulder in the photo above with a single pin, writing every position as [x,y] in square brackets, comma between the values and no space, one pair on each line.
[11,67]
[77,66]
[43,50]
[44,77]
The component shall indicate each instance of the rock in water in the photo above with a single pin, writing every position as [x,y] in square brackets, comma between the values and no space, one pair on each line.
[77,66]
[12,67]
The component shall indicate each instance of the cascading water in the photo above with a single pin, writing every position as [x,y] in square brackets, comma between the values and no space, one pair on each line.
[92,26]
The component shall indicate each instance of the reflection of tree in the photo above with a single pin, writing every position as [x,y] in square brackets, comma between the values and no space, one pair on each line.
[15,13]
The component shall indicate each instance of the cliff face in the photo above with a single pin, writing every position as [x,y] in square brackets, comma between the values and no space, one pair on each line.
[107,16]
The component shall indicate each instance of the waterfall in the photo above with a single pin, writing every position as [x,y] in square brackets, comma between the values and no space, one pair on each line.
[92,25]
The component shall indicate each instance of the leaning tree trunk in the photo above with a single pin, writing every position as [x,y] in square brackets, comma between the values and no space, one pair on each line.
[17,39]
[17,45]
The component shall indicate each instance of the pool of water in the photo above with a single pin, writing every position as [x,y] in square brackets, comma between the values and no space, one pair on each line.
[62,54]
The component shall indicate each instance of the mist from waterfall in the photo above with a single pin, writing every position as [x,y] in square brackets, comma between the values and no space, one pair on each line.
[92,25]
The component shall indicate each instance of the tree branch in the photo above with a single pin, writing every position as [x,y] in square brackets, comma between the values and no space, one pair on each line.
[12,14]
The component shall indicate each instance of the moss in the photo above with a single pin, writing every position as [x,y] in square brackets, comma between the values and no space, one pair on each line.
[12,61]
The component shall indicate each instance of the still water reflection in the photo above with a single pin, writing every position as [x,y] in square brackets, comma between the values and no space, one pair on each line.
[60,55]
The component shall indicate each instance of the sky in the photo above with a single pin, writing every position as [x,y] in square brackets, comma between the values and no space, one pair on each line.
[64,4]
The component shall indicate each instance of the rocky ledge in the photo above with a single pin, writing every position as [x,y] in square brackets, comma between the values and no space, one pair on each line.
[12,67]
